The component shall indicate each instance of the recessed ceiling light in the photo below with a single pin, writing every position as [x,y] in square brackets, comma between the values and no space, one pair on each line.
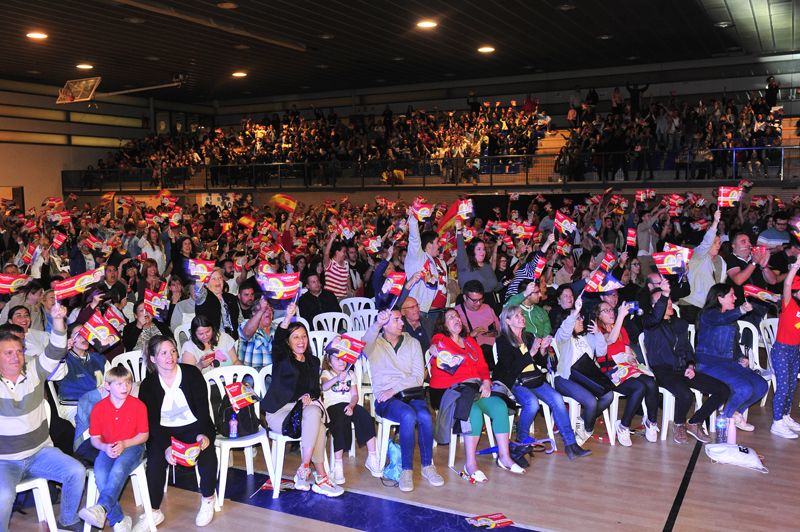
[566,7]
[84,66]
[449,74]
[227,5]
[398,58]
[242,47]
[632,57]
[724,24]
[36,35]
[33,72]
[239,74]
[304,87]
[322,67]
[134,20]
[427,24]
[605,37]
[326,36]
[486,49]
[529,67]
[380,80]
[153,58]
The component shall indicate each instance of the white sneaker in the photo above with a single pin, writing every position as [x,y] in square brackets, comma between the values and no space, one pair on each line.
[791,423]
[324,486]
[301,479]
[780,428]
[651,431]
[206,513]
[741,424]
[123,526]
[338,472]
[373,466]
[143,526]
[623,434]
[94,515]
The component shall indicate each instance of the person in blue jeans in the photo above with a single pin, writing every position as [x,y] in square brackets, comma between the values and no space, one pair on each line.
[573,341]
[396,366]
[520,359]
[720,356]
[119,429]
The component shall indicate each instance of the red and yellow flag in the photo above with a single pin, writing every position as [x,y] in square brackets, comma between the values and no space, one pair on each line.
[78,284]
[284,202]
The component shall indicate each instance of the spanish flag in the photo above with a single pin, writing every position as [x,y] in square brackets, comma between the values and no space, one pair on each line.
[346,348]
[108,197]
[78,284]
[279,285]
[99,332]
[200,269]
[247,221]
[284,202]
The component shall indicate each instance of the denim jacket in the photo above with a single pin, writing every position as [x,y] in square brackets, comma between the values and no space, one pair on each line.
[718,336]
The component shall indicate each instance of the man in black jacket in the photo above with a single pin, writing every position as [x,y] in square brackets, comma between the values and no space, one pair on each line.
[316,300]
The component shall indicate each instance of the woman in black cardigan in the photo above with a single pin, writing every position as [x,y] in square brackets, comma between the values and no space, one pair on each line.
[219,306]
[176,396]
[295,377]
[522,367]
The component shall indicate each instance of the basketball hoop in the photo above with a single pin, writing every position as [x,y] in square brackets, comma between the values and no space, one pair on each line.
[78,90]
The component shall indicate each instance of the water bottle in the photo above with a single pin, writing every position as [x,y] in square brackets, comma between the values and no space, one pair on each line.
[233,427]
[722,429]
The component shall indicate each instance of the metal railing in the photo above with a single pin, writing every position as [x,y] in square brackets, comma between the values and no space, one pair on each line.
[509,170]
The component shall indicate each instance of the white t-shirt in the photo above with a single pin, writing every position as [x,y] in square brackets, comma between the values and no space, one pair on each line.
[175,411]
[222,351]
[339,392]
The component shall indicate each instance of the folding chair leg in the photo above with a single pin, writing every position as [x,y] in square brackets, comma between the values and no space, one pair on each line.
[610,428]
[248,459]
[276,480]
[549,422]
[223,476]
[451,452]
[487,423]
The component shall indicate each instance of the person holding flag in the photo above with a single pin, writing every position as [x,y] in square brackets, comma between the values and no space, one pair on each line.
[337,269]
[471,263]
[220,307]
[705,269]
[424,255]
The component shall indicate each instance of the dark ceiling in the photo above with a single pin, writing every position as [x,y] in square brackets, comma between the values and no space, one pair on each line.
[352,44]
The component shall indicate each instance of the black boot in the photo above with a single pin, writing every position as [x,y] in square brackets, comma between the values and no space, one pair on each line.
[575,451]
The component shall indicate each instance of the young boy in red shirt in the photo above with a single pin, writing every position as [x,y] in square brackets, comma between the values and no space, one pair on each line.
[118,428]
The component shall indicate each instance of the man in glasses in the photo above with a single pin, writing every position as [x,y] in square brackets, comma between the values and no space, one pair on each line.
[413,322]
[479,318]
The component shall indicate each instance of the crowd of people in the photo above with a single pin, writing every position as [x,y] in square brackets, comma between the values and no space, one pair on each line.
[693,138]
[487,129]
[474,316]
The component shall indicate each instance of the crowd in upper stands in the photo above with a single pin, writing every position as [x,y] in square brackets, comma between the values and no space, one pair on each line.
[551,298]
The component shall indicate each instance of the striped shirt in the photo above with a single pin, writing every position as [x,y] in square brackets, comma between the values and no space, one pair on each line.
[525,272]
[336,278]
[23,418]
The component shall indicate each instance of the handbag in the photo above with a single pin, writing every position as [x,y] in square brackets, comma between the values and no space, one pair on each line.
[410,394]
[293,423]
[587,373]
[531,379]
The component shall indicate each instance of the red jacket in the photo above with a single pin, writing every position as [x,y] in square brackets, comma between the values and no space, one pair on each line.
[473,366]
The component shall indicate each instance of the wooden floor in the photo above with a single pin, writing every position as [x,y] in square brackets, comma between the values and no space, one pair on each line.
[614,489]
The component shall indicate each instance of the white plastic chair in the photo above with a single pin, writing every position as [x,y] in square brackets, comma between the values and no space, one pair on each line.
[363,319]
[280,446]
[385,426]
[352,452]
[769,332]
[186,330]
[41,491]
[299,319]
[187,317]
[134,362]
[351,305]
[755,365]
[219,377]
[318,340]
[140,494]
[332,321]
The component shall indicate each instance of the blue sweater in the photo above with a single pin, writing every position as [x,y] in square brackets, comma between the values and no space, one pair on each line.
[80,376]
[718,336]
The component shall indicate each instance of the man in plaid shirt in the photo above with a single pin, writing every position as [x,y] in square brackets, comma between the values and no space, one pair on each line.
[255,338]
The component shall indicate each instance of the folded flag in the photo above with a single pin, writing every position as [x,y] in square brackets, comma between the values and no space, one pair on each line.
[563,247]
[630,239]
[78,284]
[185,454]
[608,261]
[564,223]
[279,285]
[727,196]
[394,283]
[115,318]
[240,394]
[345,347]
[284,202]
[495,520]
[99,332]
[372,245]
[759,293]
[11,283]
[669,263]
[200,269]
[685,253]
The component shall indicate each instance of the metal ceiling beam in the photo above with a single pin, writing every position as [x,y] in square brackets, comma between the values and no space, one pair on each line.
[209,22]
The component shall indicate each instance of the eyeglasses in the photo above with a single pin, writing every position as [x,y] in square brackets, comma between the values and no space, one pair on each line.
[478,300]
[410,307]
[606,310]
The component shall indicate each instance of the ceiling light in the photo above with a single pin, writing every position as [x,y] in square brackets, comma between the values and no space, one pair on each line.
[84,66]
[242,47]
[36,35]
[566,7]
[632,57]
[605,37]
[724,24]
[239,74]
[398,58]
[427,24]
[322,67]
[326,36]
[486,49]
[227,5]
[134,20]
[153,58]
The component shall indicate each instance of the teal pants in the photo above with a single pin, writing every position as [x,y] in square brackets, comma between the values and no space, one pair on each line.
[497,410]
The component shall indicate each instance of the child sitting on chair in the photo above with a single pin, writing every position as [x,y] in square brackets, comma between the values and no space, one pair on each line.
[340,395]
[118,428]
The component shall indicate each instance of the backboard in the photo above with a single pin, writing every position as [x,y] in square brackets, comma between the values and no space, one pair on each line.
[78,90]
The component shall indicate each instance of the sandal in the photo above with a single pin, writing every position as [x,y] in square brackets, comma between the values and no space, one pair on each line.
[515,468]
[475,477]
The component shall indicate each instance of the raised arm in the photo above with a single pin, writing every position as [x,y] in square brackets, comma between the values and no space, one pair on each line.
[787,283]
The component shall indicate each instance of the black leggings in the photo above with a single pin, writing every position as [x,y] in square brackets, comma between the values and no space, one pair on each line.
[681,387]
[635,389]
[157,464]
[339,426]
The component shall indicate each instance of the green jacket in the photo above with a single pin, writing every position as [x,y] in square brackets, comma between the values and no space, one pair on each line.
[536,320]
